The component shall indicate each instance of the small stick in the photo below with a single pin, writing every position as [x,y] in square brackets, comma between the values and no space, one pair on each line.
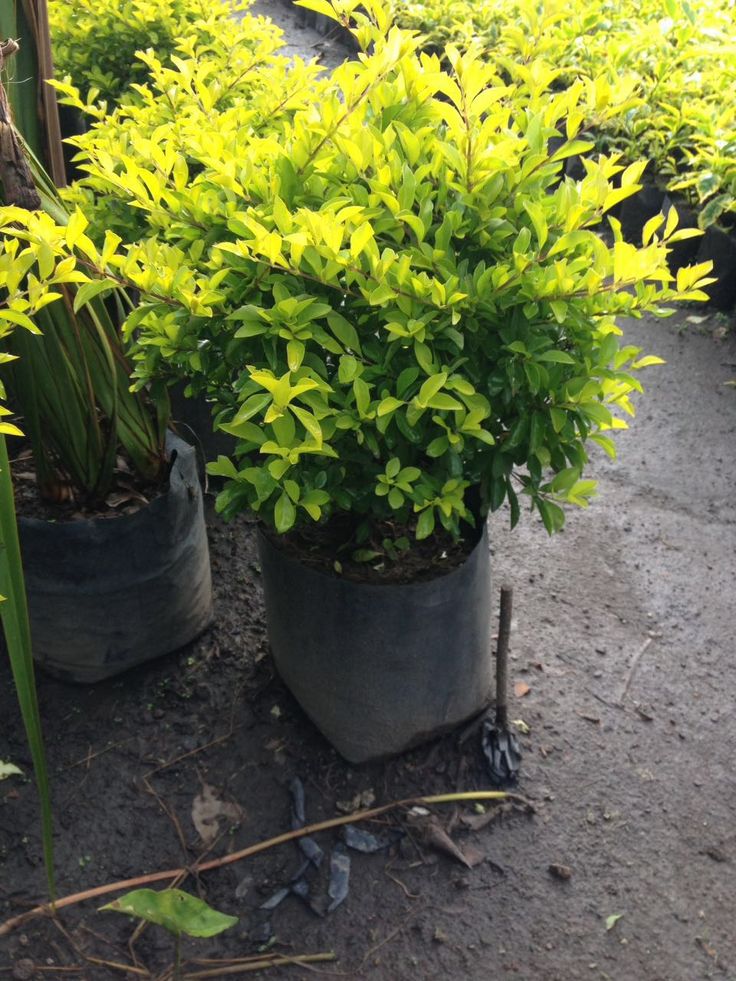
[502,656]
[141,972]
[56,969]
[47,909]
[632,669]
[264,964]
[93,756]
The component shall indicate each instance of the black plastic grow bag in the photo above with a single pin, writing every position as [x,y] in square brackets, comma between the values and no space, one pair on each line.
[105,594]
[380,668]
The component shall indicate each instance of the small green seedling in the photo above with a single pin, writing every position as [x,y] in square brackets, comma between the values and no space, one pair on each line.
[177,912]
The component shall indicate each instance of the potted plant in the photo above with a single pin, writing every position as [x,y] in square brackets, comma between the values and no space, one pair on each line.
[97,44]
[406,319]
[91,615]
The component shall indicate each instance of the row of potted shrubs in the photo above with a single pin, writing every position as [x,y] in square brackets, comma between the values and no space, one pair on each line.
[670,63]
[675,57]
[383,281]
[680,55]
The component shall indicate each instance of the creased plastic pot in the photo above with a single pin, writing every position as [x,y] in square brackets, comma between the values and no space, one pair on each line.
[105,594]
[380,668]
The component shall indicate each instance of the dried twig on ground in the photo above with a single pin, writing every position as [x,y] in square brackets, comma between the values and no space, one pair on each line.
[47,909]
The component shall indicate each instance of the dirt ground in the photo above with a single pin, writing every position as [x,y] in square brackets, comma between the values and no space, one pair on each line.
[623,633]
[623,647]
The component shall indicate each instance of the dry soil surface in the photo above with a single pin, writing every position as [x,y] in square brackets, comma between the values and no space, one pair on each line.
[623,644]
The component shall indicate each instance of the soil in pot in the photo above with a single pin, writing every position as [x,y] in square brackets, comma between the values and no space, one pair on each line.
[381,667]
[386,557]
[106,593]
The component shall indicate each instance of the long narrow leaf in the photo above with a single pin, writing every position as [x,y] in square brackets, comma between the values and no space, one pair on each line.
[14,615]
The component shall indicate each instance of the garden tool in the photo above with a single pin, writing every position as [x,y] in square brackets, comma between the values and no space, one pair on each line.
[500,745]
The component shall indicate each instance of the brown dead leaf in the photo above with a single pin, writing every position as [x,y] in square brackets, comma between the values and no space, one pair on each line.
[362,800]
[476,822]
[207,811]
[473,855]
[125,495]
[521,688]
[434,835]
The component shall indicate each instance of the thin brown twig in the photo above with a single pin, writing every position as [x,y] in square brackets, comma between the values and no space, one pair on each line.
[91,959]
[39,968]
[635,664]
[194,752]
[404,888]
[170,814]
[167,875]
[99,936]
[93,756]
[140,972]
[248,966]
[389,937]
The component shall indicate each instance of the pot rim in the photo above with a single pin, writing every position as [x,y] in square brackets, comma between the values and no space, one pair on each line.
[173,442]
[269,538]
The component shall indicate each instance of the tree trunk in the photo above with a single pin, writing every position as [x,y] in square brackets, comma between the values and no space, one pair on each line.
[32,99]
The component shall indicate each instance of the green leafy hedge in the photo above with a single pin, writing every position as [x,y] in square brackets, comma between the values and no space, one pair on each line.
[382,278]
[681,55]
[96,42]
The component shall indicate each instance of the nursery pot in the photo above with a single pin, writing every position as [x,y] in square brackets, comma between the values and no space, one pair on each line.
[105,594]
[636,211]
[380,667]
[720,248]
[192,419]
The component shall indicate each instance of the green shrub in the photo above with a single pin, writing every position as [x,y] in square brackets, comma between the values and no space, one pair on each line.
[238,73]
[97,42]
[382,278]
[709,176]
[682,54]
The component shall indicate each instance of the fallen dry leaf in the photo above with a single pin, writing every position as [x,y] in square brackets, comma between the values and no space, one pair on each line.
[521,688]
[476,822]
[208,809]
[363,799]
[434,835]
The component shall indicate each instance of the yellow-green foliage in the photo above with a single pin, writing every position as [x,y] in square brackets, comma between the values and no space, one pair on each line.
[382,278]
[96,42]
[709,169]
[212,82]
[681,52]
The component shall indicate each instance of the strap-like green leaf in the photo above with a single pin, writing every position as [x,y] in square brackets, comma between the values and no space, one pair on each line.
[14,615]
